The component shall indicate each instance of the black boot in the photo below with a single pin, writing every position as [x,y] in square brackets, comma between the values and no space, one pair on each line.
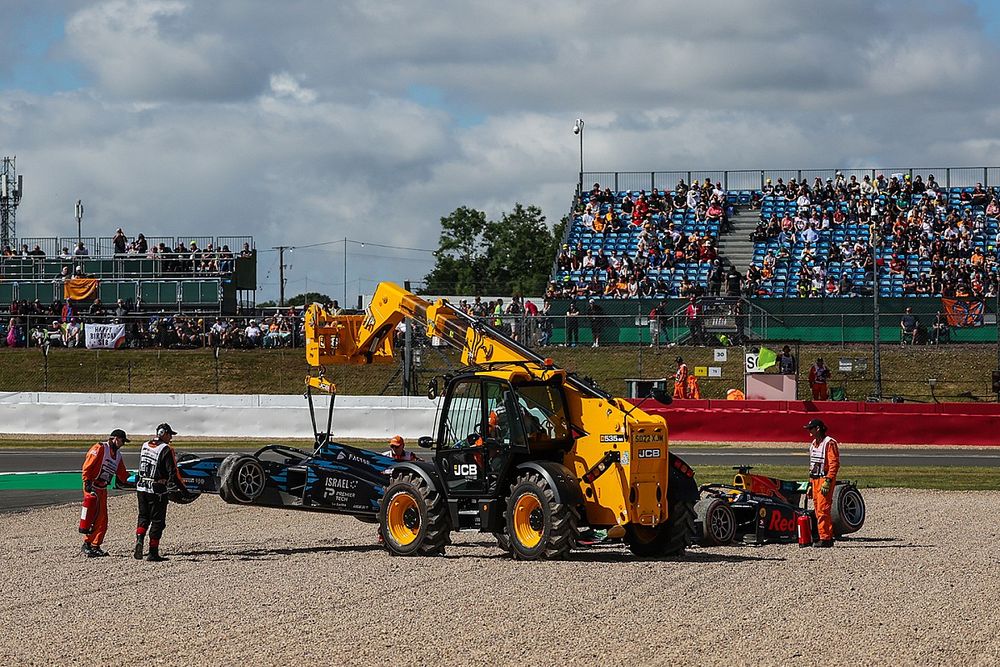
[137,554]
[154,555]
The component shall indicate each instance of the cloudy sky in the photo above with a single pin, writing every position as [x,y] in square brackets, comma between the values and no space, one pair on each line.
[307,121]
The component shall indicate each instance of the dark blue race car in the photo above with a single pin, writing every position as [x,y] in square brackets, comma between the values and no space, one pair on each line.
[334,478]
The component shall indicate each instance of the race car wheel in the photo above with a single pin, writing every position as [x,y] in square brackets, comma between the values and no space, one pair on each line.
[847,509]
[220,473]
[244,480]
[538,527]
[412,517]
[181,497]
[668,539]
[718,523]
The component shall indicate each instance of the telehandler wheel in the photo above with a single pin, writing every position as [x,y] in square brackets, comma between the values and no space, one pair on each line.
[412,517]
[718,523]
[847,509]
[537,526]
[668,539]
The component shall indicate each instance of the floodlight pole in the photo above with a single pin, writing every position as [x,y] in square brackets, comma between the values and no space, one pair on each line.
[79,222]
[578,129]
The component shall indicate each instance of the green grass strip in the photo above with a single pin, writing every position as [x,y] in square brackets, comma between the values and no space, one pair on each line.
[40,481]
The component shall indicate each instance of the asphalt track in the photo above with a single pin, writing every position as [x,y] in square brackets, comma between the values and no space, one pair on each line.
[29,460]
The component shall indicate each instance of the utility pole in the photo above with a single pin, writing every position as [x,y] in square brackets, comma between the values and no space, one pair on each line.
[281,273]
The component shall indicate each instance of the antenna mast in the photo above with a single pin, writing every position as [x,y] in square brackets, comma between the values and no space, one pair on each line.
[11,187]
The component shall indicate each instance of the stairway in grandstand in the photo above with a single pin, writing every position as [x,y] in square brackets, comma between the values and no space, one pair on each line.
[735,246]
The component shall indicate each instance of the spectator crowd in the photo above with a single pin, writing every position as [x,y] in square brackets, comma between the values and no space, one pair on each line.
[930,240]
[645,244]
[60,325]
[812,240]
[180,259]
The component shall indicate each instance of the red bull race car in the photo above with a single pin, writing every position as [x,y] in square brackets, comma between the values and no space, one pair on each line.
[755,509]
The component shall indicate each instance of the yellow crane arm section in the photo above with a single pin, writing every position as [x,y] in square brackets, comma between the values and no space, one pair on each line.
[370,338]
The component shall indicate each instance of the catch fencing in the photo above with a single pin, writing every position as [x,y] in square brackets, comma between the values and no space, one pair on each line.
[630,348]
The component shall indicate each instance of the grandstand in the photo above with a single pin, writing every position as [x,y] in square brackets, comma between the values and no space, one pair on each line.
[621,236]
[836,260]
[208,280]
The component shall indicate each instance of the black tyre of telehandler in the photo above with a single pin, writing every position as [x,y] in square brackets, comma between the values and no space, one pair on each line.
[413,518]
[847,509]
[718,523]
[669,539]
[538,527]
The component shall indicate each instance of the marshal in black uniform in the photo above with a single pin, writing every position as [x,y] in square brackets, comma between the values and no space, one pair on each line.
[158,474]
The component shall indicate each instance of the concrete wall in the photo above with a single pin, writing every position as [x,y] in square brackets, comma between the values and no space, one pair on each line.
[256,416]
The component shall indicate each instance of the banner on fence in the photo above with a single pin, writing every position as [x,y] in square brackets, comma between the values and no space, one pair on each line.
[964,313]
[80,289]
[105,336]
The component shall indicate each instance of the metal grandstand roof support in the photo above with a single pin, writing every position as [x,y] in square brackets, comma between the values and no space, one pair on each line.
[11,187]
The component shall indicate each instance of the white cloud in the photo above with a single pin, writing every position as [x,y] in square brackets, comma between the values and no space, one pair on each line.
[294,122]
[284,85]
[152,49]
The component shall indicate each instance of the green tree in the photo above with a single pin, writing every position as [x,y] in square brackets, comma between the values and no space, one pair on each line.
[459,258]
[307,298]
[512,255]
[520,254]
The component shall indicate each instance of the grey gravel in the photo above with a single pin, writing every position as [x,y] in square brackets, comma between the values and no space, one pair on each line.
[919,585]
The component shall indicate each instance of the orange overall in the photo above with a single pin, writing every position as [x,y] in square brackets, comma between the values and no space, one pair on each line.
[694,391]
[100,466]
[680,381]
[824,459]
[818,378]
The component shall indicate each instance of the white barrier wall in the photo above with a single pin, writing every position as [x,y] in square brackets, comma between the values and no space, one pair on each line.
[253,416]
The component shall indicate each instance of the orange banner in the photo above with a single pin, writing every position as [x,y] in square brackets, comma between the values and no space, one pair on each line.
[80,289]
[964,313]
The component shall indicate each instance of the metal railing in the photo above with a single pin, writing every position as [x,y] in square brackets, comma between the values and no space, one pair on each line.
[754,179]
[104,246]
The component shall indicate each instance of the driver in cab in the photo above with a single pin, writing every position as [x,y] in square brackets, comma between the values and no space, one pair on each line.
[500,427]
